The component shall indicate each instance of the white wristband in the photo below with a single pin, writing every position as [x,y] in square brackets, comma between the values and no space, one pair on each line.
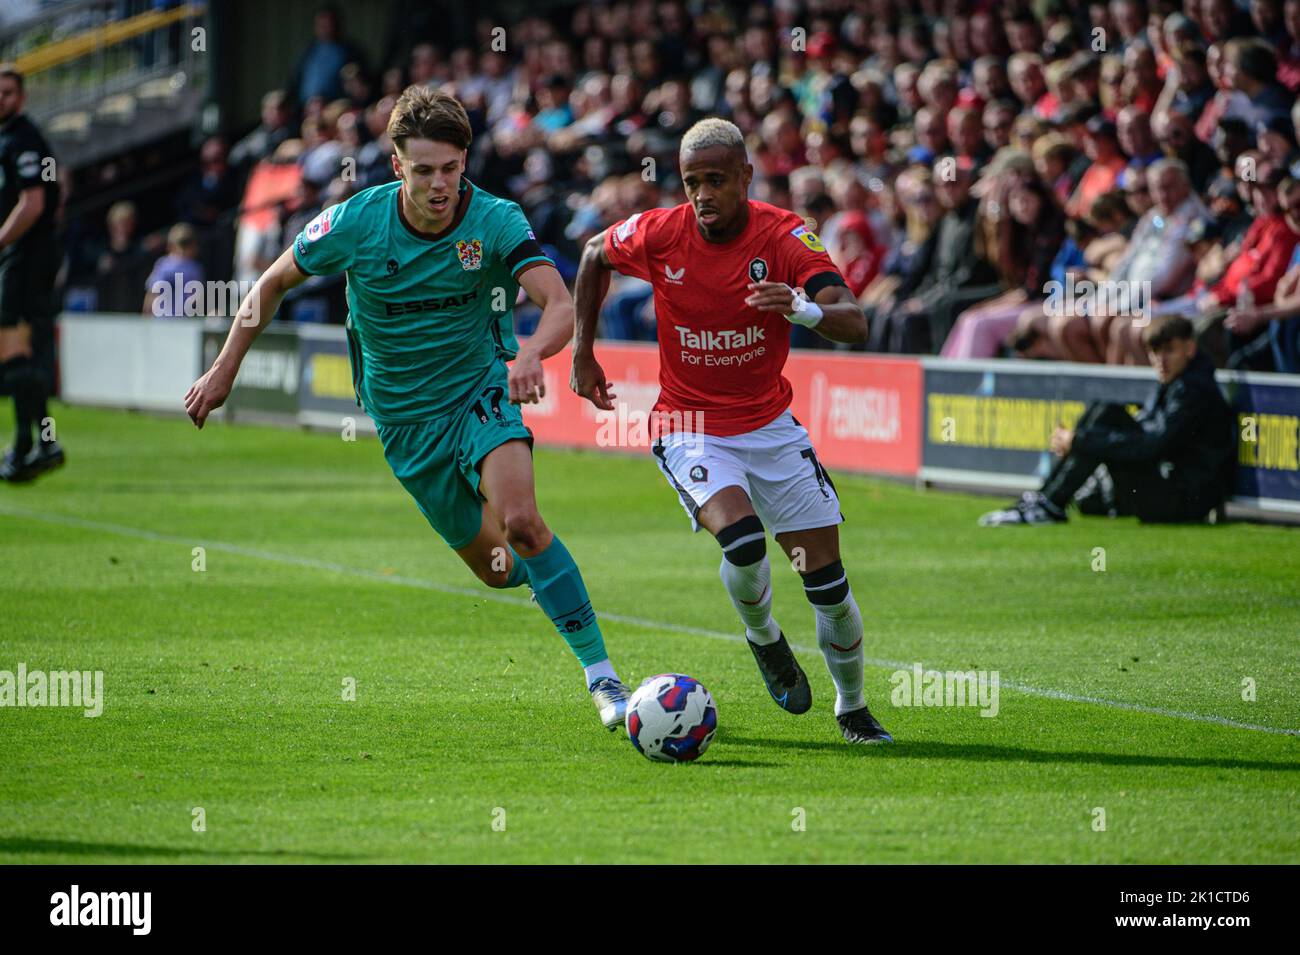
[806,312]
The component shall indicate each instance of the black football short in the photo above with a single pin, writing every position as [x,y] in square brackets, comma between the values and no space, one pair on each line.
[27,284]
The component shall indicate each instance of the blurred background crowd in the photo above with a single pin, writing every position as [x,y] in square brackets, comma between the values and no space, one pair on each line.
[1024,179]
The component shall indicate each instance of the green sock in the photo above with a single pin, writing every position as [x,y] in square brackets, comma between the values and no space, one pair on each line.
[560,592]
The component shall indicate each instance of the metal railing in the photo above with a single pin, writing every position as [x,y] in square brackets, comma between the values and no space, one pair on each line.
[77,55]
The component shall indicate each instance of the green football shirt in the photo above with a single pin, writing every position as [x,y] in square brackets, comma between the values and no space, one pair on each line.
[427,314]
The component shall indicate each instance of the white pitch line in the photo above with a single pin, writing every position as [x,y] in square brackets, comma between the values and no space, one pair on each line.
[485,593]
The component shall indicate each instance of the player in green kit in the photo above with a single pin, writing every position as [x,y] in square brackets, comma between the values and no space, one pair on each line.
[434,265]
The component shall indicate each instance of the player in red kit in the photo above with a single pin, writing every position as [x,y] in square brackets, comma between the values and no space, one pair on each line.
[730,277]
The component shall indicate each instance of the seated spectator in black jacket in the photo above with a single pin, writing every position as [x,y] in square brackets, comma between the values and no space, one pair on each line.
[262,142]
[1171,463]
[955,276]
[212,190]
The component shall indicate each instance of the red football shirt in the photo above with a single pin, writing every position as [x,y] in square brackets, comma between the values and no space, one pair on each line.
[719,359]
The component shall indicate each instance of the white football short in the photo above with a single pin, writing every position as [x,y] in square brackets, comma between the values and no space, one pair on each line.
[775,465]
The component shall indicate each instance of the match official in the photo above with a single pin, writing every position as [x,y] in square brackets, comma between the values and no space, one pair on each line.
[29,261]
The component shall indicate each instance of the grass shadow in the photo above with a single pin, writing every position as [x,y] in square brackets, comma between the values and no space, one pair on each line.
[987,753]
[109,850]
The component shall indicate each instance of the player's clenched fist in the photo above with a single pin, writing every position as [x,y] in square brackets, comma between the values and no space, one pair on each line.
[207,395]
[587,379]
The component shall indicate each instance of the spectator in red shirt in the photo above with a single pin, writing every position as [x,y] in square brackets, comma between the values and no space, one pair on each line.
[1265,251]
[1281,317]
[856,252]
[1102,146]
[1250,280]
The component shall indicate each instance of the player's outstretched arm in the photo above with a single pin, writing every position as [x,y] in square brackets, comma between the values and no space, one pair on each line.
[255,312]
[589,290]
[547,290]
[841,318]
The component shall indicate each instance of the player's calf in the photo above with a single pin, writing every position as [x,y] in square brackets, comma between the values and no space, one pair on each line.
[558,587]
[491,558]
[561,593]
[512,573]
[747,576]
[839,632]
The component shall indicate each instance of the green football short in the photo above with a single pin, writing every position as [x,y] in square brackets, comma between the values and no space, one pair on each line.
[437,460]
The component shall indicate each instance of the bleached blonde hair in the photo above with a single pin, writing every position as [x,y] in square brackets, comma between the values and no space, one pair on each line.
[712,132]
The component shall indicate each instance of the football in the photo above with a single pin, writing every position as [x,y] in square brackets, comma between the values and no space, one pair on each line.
[671,718]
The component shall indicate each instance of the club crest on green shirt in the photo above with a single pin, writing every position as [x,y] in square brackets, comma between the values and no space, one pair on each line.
[471,254]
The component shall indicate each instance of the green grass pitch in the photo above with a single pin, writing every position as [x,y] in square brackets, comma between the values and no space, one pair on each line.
[224,687]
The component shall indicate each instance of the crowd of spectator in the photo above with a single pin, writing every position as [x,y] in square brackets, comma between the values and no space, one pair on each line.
[993,178]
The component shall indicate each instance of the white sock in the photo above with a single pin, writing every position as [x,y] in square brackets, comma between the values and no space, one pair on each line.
[839,634]
[750,589]
[599,671]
